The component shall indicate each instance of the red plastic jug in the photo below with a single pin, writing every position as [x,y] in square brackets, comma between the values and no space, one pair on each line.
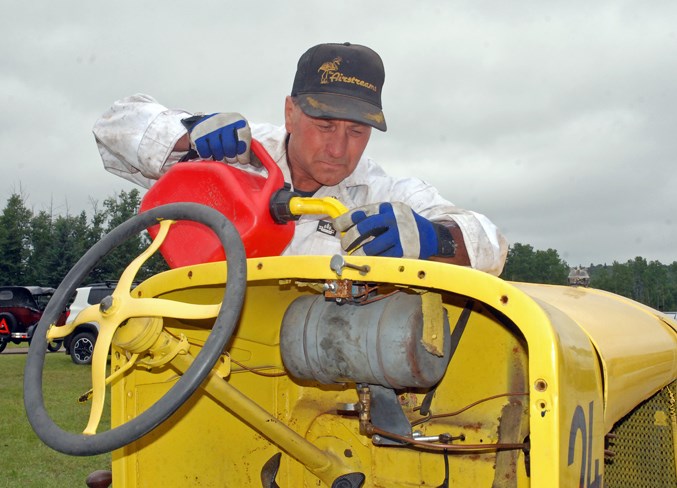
[241,196]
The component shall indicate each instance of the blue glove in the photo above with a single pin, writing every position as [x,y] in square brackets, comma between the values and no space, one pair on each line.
[391,229]
[221,136]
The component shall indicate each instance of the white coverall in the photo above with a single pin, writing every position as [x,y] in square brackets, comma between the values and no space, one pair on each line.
[136,137]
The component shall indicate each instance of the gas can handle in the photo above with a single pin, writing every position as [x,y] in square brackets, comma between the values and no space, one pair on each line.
[275,179]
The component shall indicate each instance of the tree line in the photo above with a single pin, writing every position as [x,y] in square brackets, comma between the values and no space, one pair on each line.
[39,248]
[649,282]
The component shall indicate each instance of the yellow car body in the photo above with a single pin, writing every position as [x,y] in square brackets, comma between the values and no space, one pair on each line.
[538,377]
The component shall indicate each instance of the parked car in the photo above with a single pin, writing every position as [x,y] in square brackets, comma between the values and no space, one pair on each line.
[79,344]
[20,310]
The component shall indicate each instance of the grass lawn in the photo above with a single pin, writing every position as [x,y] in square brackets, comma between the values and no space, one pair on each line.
[24,460]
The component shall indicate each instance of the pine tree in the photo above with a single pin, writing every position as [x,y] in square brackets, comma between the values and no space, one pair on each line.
[14,240]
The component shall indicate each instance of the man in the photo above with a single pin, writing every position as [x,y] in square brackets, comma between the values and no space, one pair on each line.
[334,104]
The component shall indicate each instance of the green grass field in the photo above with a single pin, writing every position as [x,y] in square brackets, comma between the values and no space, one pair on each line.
[24,460]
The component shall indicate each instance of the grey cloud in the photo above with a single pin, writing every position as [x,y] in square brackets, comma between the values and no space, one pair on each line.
[555,120]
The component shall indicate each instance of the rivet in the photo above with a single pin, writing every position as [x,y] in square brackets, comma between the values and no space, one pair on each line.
[541,385]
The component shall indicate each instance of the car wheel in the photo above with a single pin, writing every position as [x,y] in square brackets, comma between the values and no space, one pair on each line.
[82,348]
[3,344]
[53,346]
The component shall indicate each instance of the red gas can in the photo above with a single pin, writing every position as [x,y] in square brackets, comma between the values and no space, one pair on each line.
[241,196]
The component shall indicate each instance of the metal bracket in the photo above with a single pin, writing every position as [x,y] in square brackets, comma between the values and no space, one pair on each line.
[337,264]
[387,414]
[350,480]
[269,471]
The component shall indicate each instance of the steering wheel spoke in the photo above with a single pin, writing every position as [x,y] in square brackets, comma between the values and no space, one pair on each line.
[127,277]
[88,314]
[99,361]
[159,307]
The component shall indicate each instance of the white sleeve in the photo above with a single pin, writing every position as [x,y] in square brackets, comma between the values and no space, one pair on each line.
[487,247]
[136,138]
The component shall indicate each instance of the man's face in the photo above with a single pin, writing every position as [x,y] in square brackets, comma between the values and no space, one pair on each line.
[322,152]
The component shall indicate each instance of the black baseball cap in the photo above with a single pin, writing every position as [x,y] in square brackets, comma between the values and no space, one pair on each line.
[341,81]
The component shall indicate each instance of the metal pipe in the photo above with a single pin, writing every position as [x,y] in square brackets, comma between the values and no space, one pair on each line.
[321,463]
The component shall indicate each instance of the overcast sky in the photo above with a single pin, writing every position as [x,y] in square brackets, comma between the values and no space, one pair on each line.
[555,119]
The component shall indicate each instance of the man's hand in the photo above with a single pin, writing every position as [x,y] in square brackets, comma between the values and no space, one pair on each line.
[394,230]
[221,136]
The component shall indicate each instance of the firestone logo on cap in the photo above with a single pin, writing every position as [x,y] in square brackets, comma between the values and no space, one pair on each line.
[331,74]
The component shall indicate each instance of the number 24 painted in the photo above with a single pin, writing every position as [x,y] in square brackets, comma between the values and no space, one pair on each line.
[579,423]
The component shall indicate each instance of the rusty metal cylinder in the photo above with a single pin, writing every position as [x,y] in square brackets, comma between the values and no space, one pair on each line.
[376,343]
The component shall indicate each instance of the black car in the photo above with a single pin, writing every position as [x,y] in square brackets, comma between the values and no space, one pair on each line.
[20,310]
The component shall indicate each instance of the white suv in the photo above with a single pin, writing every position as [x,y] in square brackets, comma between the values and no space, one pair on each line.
[80,343]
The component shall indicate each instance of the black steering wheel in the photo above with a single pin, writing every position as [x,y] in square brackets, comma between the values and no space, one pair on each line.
[123,307]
